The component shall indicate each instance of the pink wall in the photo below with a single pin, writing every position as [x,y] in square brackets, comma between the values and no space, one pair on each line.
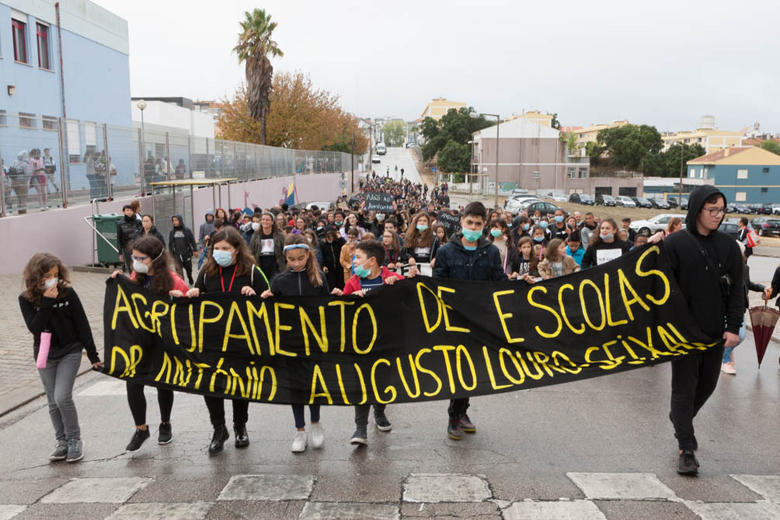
[64,233]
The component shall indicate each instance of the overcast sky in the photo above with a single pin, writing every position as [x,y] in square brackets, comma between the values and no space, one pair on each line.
[664,63]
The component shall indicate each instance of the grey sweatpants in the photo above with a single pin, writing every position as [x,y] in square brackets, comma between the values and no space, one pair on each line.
[58,378]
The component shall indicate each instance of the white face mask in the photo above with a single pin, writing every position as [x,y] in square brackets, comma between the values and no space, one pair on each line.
[51,282]
[140,267]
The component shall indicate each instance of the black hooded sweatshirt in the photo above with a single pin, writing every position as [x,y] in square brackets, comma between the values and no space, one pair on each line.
[181,241]
[699,276]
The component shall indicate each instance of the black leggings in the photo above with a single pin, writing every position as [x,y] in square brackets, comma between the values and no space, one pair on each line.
[216,406]
[137,402]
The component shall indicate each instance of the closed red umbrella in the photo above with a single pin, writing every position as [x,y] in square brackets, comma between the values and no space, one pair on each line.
[763,319]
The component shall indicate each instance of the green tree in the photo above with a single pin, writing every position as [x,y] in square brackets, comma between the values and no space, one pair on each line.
[454,158]
[456,125]
[771,146]
[254,48]
[429,128]
[570,138]
[394,132]
[627,145]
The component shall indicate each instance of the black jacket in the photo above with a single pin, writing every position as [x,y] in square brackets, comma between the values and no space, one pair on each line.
[127,230]
[153,231]
[454,261]
[214,284]
[749,284]
[331,252]
[699,262]
[776,286]
[292,283]
[181,241]
[65,318]
[590,258]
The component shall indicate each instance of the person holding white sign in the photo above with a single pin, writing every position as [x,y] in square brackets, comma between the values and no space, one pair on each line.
[604,246]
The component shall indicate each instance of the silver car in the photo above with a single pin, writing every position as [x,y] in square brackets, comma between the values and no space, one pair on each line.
[656,223]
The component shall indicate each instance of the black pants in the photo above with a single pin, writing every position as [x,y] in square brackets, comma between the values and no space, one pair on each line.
[361,413]
[184,264]
[137,402]
[216,406]
[694,378]
[458,407]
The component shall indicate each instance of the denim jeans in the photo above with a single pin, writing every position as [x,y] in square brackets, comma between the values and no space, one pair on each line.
[58,378]
[727,351]
[300,421]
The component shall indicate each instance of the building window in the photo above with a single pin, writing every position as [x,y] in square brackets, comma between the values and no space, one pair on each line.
[43,46]
[742,174]
[20,40]
[583,173]
[3,118]
[74,141]
[741,196]
[764,190]
[49,122]
[570,173]
[765,170]
[26,120]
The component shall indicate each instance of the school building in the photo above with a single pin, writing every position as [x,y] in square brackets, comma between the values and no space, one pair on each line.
[744,174]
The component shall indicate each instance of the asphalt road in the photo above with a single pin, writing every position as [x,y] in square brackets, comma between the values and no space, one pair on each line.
[401,157]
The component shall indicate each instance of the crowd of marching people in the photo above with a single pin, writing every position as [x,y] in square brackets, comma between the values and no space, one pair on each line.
[352,249]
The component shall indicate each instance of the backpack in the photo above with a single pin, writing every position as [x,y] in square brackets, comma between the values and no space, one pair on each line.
[15,172]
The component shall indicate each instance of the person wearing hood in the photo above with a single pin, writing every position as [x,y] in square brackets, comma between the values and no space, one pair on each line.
[127,230]
[147,221]
[206,229]
[707,266]
[181,243]
[19,174]
[468,256]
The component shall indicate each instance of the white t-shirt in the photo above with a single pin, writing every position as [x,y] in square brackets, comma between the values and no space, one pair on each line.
[605,255]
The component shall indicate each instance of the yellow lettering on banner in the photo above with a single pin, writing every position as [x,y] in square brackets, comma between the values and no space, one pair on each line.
[538,374]
[489,366]
[178,373]
[635,360]
[318,380]
[243,390]
[413,368]
[574,370]
[156,315]
[503,316]
[262,380]
[539,331]
[388,389]
[131,360]
[341,385]
[202,320]
[616,361]
[135,298]
[123,307]
[654,354]
[341,304]
[362,384]
[544,362]
[165,368]
[588,359]
[505,352]
[424,370]
[603,323]
[307,325]
[235,311]
[200,367]
[668,339]
[608,305]
[428,327]
[654,272]
[355,347]
[280,327]
[174,332]
[447,325]
[217,371]
[193,335]
[261,314]
[635,298]
[445,349]
[462,352]
[570,287]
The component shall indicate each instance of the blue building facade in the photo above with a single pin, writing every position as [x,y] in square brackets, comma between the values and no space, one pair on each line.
[95,72]
[745,174]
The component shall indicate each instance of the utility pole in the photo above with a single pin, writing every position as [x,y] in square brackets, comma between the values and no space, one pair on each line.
[682,167]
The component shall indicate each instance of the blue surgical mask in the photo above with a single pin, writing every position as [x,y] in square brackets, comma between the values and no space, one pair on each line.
[495,233]
[421,227]
[559,218]
[223,258]
[472,235]
[539,239]
[470,248]
[526,227]
[362,271]
[543,223]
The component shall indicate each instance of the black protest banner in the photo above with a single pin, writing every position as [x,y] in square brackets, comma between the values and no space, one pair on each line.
[450,222]
[419,339]
[378,201]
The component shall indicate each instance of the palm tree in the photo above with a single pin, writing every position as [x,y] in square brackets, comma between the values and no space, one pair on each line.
[254,47]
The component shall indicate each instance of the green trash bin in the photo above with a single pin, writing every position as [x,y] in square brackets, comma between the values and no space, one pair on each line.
[106,226]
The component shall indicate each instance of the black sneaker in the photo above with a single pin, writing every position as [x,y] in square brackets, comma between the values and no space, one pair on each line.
[687,464]
[360,437]
[165,434]
[382,424]
[60,451]
[139,437]
[218,439]
[242,437]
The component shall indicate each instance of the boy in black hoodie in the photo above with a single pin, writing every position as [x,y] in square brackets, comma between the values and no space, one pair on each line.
[182,245]
[707,266]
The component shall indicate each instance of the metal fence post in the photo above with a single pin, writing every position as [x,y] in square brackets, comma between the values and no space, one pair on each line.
[109,191]
[168,154]
[64,160]
[189,154]
[141,168]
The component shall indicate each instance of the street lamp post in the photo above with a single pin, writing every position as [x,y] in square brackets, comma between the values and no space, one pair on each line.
[498,123]
[142,106]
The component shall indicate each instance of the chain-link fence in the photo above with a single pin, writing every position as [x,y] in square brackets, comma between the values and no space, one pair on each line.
[49,162]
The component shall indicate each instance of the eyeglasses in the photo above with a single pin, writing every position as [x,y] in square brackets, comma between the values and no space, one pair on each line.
[714,212]
[140,258]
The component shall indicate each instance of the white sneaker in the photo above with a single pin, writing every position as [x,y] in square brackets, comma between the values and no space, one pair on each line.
[299,442]
[728,368]
[317,435]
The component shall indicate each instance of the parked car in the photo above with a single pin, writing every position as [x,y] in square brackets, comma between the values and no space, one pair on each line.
[743,209]
[659,204]
[517,205]
[767,209]
[673,201]
[775,209]
[642,202]
[731,208]
[560,198]
[519,192]
[627,202]
[581,198]
[605,200]
[684,203]
[656,223]
[543,207]
[766,226]
[730,227]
